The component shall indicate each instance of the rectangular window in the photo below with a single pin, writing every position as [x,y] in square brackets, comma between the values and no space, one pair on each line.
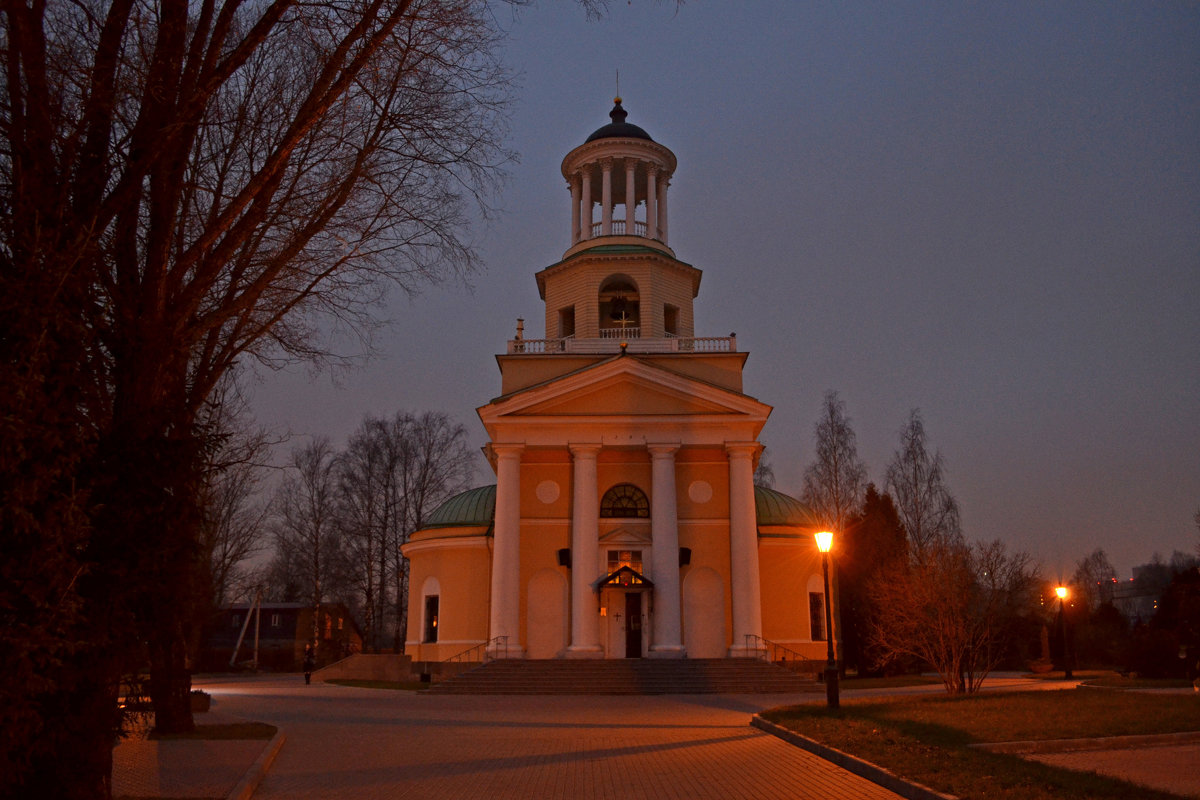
[276,620]
[566,322]
[624,558]
[431,619]
[671,320]
[237,620]
[816,616]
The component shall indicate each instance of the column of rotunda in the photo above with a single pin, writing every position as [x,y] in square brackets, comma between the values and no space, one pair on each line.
[582,203]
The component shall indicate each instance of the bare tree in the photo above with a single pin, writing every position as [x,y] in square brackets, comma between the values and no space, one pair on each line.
[306,532]
[185,184]
[764,473]
[431,462]
[835,481]
[952,609]
[363,492]
[916,483]
[1094,578]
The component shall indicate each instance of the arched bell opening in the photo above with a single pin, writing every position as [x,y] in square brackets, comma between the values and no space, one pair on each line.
[620,308]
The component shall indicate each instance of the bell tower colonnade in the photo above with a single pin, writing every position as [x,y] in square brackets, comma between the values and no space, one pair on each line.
[618,165]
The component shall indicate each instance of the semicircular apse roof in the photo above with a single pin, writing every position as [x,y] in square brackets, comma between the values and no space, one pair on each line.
[466,509]
[776,508]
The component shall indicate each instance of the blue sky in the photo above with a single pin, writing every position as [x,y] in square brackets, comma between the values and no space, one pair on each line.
[990,212]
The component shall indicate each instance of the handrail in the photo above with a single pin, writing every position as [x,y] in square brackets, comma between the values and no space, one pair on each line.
[501,643]
[784,656]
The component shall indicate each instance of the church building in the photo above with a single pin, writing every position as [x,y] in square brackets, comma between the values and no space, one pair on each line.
[624,521]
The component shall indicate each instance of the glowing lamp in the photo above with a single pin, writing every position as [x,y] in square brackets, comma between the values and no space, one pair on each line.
[824,541]
[1061,591]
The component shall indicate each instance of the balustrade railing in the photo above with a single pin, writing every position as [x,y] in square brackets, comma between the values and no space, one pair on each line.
[784,656]
[621,333]
[611,340]
[619,227]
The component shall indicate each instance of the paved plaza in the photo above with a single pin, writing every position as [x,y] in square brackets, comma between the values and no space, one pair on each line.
[344,742]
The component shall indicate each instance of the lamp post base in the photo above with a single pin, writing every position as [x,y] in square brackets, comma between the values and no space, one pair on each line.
[831,687]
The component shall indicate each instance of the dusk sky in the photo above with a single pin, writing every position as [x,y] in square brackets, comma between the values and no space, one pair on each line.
[990,212]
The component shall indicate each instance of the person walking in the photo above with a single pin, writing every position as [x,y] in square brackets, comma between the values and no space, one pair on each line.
[310,661]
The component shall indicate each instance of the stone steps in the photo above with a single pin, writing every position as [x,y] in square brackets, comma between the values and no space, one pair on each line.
[627,676]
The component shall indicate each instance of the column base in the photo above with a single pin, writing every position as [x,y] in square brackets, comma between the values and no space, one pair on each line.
[584,651]
[668,651]
[499,653]
[742,651]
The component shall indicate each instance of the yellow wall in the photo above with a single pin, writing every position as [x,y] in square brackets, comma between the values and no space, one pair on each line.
[463,574]
[785,567]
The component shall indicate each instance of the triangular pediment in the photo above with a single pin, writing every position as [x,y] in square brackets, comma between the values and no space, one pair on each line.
[625,386]
[624,536]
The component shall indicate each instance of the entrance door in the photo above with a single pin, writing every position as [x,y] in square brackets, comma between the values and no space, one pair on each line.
[633,624]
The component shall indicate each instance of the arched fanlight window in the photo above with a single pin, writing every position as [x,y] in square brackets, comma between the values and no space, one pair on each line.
[625,500]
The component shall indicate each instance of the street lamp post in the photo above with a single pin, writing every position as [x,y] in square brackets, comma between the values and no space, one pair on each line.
[824,543]
[1061,591]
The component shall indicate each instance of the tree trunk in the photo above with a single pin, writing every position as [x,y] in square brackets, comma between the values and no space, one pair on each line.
[171,683]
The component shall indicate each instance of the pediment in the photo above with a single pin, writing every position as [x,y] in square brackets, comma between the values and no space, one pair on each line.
[625,536]
[625,387]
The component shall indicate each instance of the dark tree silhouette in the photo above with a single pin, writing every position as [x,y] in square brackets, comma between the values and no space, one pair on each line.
[187,184]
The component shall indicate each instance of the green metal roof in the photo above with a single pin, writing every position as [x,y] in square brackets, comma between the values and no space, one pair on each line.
[469,508]
[776,508]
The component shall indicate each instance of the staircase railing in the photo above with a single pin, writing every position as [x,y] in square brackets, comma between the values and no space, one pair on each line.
[482,652]
[784,656]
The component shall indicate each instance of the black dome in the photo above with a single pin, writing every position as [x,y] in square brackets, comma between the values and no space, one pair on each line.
[619,128]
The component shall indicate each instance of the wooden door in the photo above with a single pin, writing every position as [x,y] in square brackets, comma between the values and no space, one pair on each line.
[633,624]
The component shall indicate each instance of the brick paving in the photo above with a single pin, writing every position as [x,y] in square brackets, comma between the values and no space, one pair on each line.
[192,768]
[344,742]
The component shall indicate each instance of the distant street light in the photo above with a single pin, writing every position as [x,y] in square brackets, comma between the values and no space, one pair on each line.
[824,543]
[1061,591]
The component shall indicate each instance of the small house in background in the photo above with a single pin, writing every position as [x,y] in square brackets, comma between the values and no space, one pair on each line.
[283,631]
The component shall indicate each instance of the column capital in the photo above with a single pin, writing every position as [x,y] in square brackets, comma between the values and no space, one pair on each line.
[606,163]
[584,449]
[737,449]
[663,449]
[509,449]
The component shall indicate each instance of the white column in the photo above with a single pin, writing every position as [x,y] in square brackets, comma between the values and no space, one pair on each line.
[662,206]
[585,554]
[630,196]
[606,197]
[585,206]
[574,209]
[651,202]
[743,547]
[506,554]
[664,529]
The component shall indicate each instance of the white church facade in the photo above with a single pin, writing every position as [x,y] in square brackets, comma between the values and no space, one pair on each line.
[624,521]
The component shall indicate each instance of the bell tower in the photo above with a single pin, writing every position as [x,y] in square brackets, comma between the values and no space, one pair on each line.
[619,281]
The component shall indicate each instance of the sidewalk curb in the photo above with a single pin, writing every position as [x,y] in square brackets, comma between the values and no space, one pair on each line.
[258,770]
[863,769]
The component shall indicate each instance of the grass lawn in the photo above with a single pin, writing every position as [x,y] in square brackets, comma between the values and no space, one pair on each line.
[925,739]
[890,683]
[404,686]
